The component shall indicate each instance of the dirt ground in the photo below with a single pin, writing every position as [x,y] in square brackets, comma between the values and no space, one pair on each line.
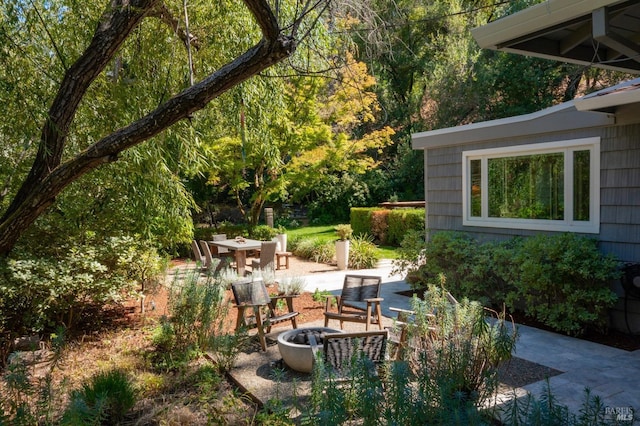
[310,310]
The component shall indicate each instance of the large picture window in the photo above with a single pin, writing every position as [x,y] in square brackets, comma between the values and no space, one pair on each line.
[550,186]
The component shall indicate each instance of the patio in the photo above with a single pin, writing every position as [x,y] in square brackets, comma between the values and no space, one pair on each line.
[574,364]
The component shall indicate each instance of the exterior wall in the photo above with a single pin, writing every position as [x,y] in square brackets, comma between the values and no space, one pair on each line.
[619,197]
[619,188]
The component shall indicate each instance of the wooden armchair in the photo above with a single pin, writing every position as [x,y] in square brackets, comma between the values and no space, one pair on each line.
[252,298]
[340,348]
[358,302]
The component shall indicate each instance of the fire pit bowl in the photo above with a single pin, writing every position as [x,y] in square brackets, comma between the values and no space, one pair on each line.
[295,349]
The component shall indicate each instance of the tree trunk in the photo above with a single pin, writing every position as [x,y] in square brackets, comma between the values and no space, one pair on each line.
[48,177]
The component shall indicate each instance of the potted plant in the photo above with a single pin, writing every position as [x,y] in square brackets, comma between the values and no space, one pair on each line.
[342,245]
[281,236]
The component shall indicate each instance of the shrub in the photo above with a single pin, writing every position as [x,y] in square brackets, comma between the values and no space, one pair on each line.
[459,258]
[400,221]
[410,257]
[105,400]
[454,350]
[194,302]
[344,231]
[363,254]
[263,233]
[38,293]
[563,282]
[360,219]
[313,249]
[443,381]
[380,225]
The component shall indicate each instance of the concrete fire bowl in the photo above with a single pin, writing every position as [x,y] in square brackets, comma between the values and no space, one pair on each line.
[295,349]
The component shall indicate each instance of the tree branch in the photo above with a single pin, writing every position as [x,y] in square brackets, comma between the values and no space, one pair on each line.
[165,15]
[115,26]
[48,178]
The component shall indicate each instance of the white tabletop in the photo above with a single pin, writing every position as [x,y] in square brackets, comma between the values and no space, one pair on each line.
[235,244]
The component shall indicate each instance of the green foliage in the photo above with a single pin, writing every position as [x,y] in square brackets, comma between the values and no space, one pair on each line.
[263,233]
[460,347]
[344,231]
[315,249]
[363,253]
[450,368]
[546,410]
[360,219]
[400,221]
[105,400]
[410,256]
[561,280]
[197,312]
[320,295]
[193,301]
[40,292]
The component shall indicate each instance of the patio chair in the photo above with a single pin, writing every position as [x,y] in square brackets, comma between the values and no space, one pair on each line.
[207,253]
[220,251]
[197,254]
[267,256]
[252,298]
[340,349]
[358,302]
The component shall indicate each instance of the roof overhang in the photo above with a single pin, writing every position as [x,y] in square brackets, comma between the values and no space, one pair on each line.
[600,33]
[563,117]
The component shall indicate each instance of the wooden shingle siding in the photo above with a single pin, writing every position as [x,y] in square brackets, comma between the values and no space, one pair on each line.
[619,188]
[620,192]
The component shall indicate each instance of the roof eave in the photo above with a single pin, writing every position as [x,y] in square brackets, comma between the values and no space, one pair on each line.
[543,15]
[560,118]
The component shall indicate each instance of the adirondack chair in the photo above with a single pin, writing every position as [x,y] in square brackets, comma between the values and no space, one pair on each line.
[252,298]
[358,302]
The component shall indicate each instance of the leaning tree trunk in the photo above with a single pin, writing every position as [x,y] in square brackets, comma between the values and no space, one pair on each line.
[48,177]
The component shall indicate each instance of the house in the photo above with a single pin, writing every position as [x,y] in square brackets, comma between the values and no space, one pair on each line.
[584,155]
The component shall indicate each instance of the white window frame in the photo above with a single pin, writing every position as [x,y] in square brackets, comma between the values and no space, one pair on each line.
[567,224]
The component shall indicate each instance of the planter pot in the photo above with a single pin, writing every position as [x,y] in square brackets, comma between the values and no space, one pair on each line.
[342,254]
[282,239]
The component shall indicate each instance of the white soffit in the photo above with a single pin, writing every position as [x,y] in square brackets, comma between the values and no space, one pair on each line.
[547,14]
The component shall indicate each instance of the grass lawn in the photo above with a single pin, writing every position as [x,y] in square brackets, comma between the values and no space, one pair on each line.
[326,233]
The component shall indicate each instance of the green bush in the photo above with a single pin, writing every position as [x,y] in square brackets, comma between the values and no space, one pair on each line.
[563,282]
[360,219]
[455,348]
[263,233]
[560,280]
[450,370]
[105,400]
[38,293]
[459,258]
[363,254]
[313,249]
[400,221]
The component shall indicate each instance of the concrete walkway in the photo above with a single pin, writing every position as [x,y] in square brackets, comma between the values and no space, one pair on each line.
[613,374]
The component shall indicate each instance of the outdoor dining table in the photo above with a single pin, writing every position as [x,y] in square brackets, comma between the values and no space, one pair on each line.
[239,246]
